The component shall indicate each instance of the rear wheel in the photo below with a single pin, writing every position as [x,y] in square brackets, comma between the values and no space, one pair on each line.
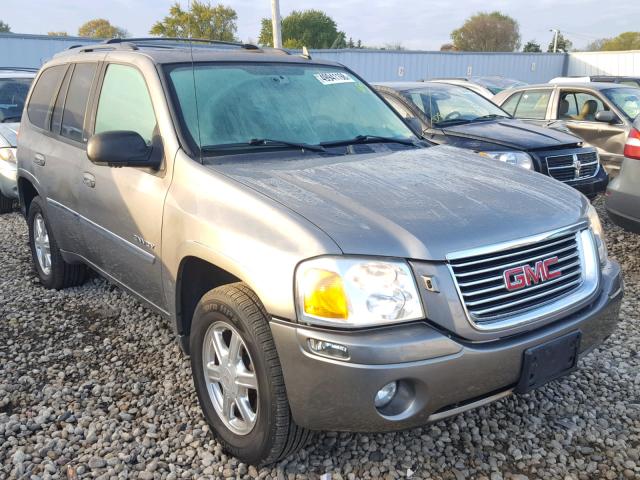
[51,268]
[6,204]
[238,377]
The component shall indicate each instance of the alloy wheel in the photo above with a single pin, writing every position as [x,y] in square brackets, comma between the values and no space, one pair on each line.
[41,243]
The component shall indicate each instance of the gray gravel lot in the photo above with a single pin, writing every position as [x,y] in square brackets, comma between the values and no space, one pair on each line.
[93,385]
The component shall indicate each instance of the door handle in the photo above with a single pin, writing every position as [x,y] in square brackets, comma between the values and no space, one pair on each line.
[39,159]
[89,180]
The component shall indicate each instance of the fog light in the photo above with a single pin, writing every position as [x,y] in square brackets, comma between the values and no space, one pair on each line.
[385,395]
[329,349]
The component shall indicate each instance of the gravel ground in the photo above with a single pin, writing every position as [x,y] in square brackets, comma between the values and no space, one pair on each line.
[93,385]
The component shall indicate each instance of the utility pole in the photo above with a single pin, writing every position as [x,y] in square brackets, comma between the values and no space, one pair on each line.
[275,20]
[555,39]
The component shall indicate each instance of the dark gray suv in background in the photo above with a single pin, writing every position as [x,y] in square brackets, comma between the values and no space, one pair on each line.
[323,267]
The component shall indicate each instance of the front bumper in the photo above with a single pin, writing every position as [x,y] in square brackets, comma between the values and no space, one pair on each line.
[8,179]
[438,375]
[593,186]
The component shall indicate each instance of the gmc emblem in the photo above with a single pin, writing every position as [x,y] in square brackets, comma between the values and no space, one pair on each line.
[526,275]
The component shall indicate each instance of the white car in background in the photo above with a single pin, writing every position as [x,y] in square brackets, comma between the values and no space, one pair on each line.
[14,87]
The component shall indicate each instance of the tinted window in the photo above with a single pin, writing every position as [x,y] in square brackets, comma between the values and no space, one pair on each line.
[76,103]
[13,93]
[42,95]
[512,102]
[125,103]
[533,104]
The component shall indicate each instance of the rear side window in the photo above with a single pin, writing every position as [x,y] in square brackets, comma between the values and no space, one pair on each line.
[125,103]
[533,104]
[76,103]
[512,102]
[42,96]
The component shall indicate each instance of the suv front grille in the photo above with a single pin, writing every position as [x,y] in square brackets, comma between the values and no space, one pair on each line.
[573,166]
[482,286]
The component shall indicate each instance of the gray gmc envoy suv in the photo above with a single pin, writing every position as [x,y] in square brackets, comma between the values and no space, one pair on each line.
[324,268]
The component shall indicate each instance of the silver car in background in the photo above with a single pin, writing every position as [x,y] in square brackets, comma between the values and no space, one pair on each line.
[14,86]
[623,194]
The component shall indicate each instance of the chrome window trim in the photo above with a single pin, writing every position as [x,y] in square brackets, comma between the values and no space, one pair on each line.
[576,298]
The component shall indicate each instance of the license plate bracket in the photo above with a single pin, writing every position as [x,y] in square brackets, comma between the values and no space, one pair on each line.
[549,361]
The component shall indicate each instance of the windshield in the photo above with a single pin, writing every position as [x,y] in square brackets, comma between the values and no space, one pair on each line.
[454,105]
[626,99]
[13,92]
[497,84]
[239,104]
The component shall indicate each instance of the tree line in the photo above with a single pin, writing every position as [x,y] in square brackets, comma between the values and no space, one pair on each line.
[482,32]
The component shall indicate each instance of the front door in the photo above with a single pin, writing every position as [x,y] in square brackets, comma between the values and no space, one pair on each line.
[577,109]
[123,206]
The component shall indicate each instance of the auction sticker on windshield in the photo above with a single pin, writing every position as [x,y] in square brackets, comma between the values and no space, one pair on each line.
[330,78]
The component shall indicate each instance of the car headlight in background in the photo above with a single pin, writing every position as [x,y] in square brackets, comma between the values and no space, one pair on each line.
[598,232]
[355,292]
[8,154]
[520,159]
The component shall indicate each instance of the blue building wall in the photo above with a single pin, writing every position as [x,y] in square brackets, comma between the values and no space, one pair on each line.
[22,50]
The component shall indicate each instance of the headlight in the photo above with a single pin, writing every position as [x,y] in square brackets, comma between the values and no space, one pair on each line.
[8,154]
[521,159]
[598,233]
[355,292]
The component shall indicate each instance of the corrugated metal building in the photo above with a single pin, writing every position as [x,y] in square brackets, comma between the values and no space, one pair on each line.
[604,63]
[386,65]
[22,50]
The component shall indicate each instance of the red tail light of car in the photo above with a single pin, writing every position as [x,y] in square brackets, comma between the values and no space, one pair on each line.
[632,147]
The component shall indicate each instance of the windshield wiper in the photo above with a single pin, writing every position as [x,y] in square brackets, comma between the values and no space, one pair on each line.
[488,117]
[369,139]
[263,142]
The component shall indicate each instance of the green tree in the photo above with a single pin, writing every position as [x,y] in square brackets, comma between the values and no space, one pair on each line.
[624,41]
[531,47]
[564,44]
[202,21]
[101,28]
[4,27]
[58,34]
[308,28]
[487,32]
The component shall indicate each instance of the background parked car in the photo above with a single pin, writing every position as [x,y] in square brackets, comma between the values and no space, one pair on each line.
[602,114]
[485,86]
[629,81]
[623,195]
[14,86]
[453,115]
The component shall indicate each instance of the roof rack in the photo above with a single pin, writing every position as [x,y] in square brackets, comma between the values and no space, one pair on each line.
[246,46]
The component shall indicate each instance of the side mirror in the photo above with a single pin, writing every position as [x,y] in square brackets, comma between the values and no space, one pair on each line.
[606,116]
[120,148]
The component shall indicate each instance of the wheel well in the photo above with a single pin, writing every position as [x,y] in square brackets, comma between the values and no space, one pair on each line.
[27,193]
[195,278]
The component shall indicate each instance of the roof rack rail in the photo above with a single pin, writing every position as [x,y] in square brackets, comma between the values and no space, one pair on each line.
[246,46]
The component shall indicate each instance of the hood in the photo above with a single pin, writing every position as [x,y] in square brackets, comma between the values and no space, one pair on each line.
[9,134]
[513,134]
[418,204]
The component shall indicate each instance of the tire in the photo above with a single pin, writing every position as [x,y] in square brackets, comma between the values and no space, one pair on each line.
[6,204]
[59,273]
[274,434]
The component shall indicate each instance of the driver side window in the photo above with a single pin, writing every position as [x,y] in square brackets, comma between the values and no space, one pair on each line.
[580,106]
[125,103]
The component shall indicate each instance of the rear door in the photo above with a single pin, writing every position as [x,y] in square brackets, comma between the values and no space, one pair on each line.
[530,105]
[577,108]
[122,207]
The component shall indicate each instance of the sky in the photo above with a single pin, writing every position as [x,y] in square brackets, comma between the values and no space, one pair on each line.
[416,24]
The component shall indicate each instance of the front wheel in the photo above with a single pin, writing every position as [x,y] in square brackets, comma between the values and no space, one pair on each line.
[238,377]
